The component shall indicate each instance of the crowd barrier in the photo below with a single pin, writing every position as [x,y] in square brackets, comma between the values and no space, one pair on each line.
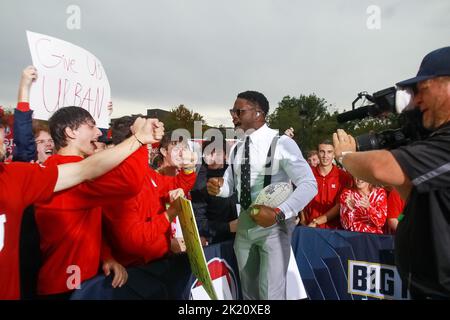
[342,265]
[334,265]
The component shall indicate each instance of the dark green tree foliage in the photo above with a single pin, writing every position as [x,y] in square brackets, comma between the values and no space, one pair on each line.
[312,118]
[309,117]
[182,117]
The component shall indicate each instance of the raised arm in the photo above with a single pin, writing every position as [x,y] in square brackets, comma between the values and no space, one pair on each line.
[377,167]
[25,149]
[146,131]
[29,75]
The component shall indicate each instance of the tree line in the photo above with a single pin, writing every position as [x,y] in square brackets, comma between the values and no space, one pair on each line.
[311,117]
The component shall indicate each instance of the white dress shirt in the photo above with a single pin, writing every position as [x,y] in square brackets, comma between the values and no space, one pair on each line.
[289,166]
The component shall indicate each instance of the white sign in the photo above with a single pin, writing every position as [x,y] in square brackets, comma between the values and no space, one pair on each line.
[375,280]
[220,285]
[67,76]
[2,230]
[295,290]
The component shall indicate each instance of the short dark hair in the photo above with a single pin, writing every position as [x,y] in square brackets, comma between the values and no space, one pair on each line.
[120,128]
[326,141]
[67,117]
[256,98]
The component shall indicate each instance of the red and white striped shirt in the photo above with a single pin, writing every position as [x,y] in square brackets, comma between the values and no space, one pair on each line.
[354,217]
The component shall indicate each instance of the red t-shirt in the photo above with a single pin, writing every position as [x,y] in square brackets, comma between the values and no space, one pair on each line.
[137,229]
[395,204]
[70,224]
[329,189]
[355,217]
[22,184]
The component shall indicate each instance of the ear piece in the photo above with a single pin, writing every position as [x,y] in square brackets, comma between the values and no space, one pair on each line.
[257,113]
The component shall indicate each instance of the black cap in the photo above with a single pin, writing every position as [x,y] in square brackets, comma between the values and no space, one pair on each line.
[435,64]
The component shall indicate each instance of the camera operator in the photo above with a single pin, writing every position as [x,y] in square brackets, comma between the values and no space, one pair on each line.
[420,172]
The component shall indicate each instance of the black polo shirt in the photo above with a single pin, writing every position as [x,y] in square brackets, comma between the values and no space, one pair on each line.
[422,244]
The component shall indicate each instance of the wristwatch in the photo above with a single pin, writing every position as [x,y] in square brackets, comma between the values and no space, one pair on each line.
[280,217]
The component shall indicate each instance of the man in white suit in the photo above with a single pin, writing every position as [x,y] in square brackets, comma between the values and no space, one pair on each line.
[263,238]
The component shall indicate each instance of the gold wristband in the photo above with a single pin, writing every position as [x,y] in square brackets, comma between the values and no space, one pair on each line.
[188,171]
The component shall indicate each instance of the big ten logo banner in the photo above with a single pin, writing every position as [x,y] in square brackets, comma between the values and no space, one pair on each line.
[67,76]
[375,280]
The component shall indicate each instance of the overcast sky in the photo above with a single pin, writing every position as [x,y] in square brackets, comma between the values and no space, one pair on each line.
[201,53]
